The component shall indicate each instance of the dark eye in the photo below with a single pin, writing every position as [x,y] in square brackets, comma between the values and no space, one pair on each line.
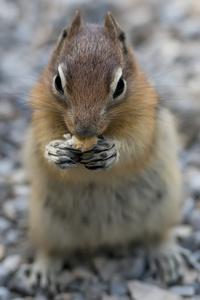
[119,89]
[58,84]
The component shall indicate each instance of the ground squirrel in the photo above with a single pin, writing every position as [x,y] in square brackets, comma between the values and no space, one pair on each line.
[127,187]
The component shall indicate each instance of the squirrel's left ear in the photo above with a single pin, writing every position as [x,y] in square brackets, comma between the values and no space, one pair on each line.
[112,27]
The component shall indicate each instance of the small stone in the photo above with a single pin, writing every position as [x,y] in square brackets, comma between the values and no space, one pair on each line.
[190,276]
[188,207]
[21,205]
[6,166]
[64,296]
[4,224]
[110,298]
[65,279]
[78,296]
[125,297]
[41,297]
[9,210]
[193,181]
[196,286]
[133,268]
[118,288]
[19,176]
[22,190]
[82,273]
[92,290]
[13,236]
[183,290]
[4,293]
[22,298]
[189,29]
[192,242]
[182,231]
[5,189]
[18,284]
[106,268]
[194,219]
[143,291]
[2,252]
[8,266]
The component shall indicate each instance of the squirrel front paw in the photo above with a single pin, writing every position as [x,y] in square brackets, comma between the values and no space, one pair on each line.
[102,157]
[62,155]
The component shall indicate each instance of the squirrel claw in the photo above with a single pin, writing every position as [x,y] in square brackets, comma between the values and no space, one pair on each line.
[62,155]
[35,279]
[170,262]
[102,157]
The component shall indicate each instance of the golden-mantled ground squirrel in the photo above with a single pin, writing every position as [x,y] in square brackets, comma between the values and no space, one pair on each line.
[93,87]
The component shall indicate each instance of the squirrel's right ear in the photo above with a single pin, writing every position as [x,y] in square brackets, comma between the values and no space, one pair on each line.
[112,28]
[71,29]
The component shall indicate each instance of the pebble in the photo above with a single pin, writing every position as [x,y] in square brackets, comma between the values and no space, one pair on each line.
[4,293]
[13,236]
[134,268]
[5,188]
[182,231]
[9,210]
[188,207]
[2,252]
[78,296]
[143,291]
[64,296]
[196,286]
[18,284]
[92,290]
[4,225]
[82,273]
[106,268]
[183,290]
[8,266]
[190,276]
[41,297]
[6,167]
[118,288]
[192,242]
[110,298]
[22,299]
[65,279]
[22,190]
[194,219]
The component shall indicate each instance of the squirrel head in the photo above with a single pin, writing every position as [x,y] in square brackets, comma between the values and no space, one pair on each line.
[91,74]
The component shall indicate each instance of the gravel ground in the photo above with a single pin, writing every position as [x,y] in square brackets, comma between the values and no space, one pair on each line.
[166,39]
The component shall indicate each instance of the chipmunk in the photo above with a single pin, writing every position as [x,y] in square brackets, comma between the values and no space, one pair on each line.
[127,187]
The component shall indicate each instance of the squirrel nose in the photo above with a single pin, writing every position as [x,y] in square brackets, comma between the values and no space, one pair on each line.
[85,132]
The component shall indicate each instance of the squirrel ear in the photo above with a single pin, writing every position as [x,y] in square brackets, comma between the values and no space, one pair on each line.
[112,27]
[62,37]
[75,24]
[70,30]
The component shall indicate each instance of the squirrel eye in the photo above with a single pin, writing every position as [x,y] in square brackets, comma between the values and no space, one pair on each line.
[58,84]
[119,89]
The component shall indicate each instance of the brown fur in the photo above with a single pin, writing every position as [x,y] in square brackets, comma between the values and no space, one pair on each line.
[144,137]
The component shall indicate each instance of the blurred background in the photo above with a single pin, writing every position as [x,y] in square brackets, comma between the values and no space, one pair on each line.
[166,38]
